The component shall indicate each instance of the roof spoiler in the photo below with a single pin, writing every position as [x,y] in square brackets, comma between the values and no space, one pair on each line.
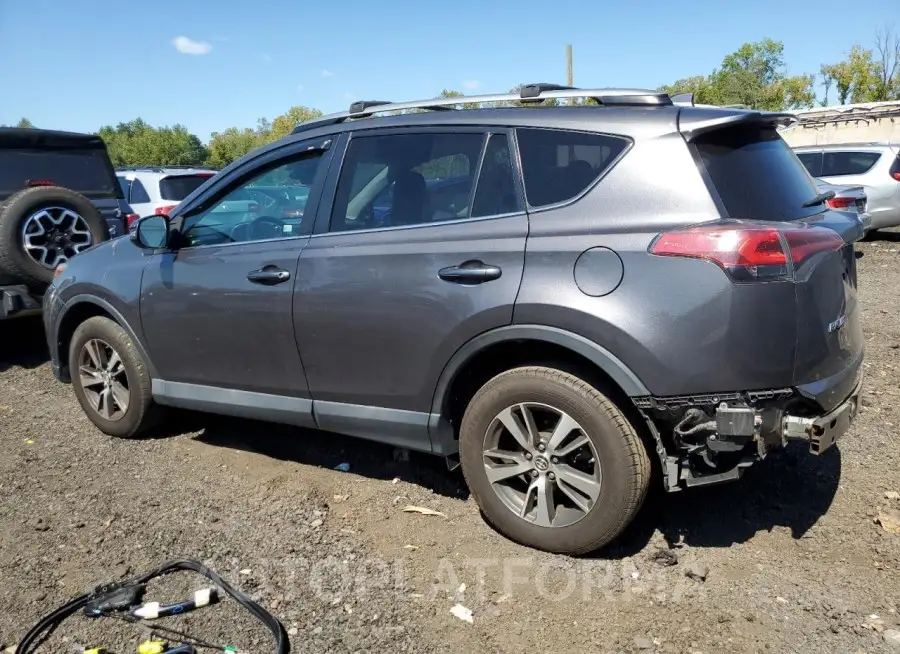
[699,121]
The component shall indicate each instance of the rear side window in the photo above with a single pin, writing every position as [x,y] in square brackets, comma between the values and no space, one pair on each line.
[87,171]
[177,187]
[812,161]
[558,165]
[848,163]
[139,194]
[756,175]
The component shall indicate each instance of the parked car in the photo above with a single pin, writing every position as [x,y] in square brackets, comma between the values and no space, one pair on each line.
[619,283]
[847,198]
[58,197]
[874,166]
[158,189]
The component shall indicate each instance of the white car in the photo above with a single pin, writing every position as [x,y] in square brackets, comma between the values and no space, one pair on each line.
[158,190]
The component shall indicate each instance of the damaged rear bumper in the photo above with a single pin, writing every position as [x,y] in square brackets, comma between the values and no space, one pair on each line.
[716,442]
[824,431]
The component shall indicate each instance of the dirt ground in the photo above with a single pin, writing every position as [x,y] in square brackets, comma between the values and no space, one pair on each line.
[791,558]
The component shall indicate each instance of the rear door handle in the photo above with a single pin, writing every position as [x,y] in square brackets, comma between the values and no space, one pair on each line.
[470,272]
[269,275]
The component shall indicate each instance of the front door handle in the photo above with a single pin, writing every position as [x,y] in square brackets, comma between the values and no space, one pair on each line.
[269,275]
[470,272]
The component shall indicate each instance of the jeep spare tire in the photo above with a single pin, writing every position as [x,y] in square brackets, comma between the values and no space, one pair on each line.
[45,226]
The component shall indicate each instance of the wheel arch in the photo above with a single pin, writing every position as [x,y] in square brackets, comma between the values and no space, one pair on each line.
[493,351]
[80,308]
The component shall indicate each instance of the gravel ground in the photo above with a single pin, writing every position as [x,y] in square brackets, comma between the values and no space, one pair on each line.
[791,558]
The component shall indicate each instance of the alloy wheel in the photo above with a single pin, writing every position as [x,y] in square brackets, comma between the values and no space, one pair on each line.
[102,375]
[542,465]
[54,235]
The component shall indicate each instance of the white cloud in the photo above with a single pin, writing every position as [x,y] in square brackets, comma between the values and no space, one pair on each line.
[300,87]
[327,73]
[184,45]
[471,84]
[266,57]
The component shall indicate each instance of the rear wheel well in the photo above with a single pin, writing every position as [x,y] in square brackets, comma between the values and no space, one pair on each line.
[74,317]
[494,359]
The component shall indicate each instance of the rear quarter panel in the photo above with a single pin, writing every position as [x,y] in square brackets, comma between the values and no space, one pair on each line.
[680,325]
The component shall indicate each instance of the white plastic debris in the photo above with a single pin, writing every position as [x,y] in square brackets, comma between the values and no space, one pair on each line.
[423,510]
[342,467]
[463,613]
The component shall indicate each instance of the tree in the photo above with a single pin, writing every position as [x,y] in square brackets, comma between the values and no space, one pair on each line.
[24,123]
[285,123]
[754,75]
[887,73]
[855,78]
[232,144]
[137,143]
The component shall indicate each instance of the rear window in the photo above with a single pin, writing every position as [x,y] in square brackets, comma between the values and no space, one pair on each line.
[87,171]
[812,161]
[558,165]
[756,175]
[178,187]
[848,163]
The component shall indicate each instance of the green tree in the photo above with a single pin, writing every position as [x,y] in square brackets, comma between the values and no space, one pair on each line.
[855,79]
[232,144]
[754,75]
[24,123]
[136,143]
[284,124]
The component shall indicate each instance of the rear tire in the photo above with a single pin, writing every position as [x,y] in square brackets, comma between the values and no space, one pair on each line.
[582,516]
[110,379]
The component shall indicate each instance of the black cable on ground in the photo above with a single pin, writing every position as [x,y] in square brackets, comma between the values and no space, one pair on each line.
[48,624]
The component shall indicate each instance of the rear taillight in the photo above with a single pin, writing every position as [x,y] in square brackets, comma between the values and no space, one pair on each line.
[840,203]
[748,253]
[896,176]
[130,219]
[164,211]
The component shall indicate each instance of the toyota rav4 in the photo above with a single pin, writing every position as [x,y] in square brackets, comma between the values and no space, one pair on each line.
[567,301]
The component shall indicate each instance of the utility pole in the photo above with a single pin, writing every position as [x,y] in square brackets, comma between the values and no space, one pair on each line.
[569,78]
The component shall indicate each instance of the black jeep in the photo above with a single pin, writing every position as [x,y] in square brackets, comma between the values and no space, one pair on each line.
[58,197]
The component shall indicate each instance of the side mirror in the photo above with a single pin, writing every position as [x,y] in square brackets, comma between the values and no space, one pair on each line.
[151,232]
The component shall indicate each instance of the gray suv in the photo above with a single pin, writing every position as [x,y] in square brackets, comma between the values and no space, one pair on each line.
[569,301]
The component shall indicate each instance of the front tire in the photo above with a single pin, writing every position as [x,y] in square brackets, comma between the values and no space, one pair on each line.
[552,462]
[110,379]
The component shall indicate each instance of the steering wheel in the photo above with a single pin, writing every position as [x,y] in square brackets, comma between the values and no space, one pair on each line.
[250,231]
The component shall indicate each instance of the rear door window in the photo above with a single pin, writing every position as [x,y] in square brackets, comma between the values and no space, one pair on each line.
[139,194]
[756,174]
[848,163]
[559,165]
[177,187]
[87,171]
[812,161]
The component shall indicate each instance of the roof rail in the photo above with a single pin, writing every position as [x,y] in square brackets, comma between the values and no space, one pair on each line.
[537,92]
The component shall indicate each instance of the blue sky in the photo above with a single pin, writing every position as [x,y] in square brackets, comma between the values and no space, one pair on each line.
[80,64]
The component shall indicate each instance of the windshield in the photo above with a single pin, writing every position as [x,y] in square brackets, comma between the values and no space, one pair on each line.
[756,174]
[178,187]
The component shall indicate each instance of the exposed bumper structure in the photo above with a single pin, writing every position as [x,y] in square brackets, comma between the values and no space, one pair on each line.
[824,431]
[18,301]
